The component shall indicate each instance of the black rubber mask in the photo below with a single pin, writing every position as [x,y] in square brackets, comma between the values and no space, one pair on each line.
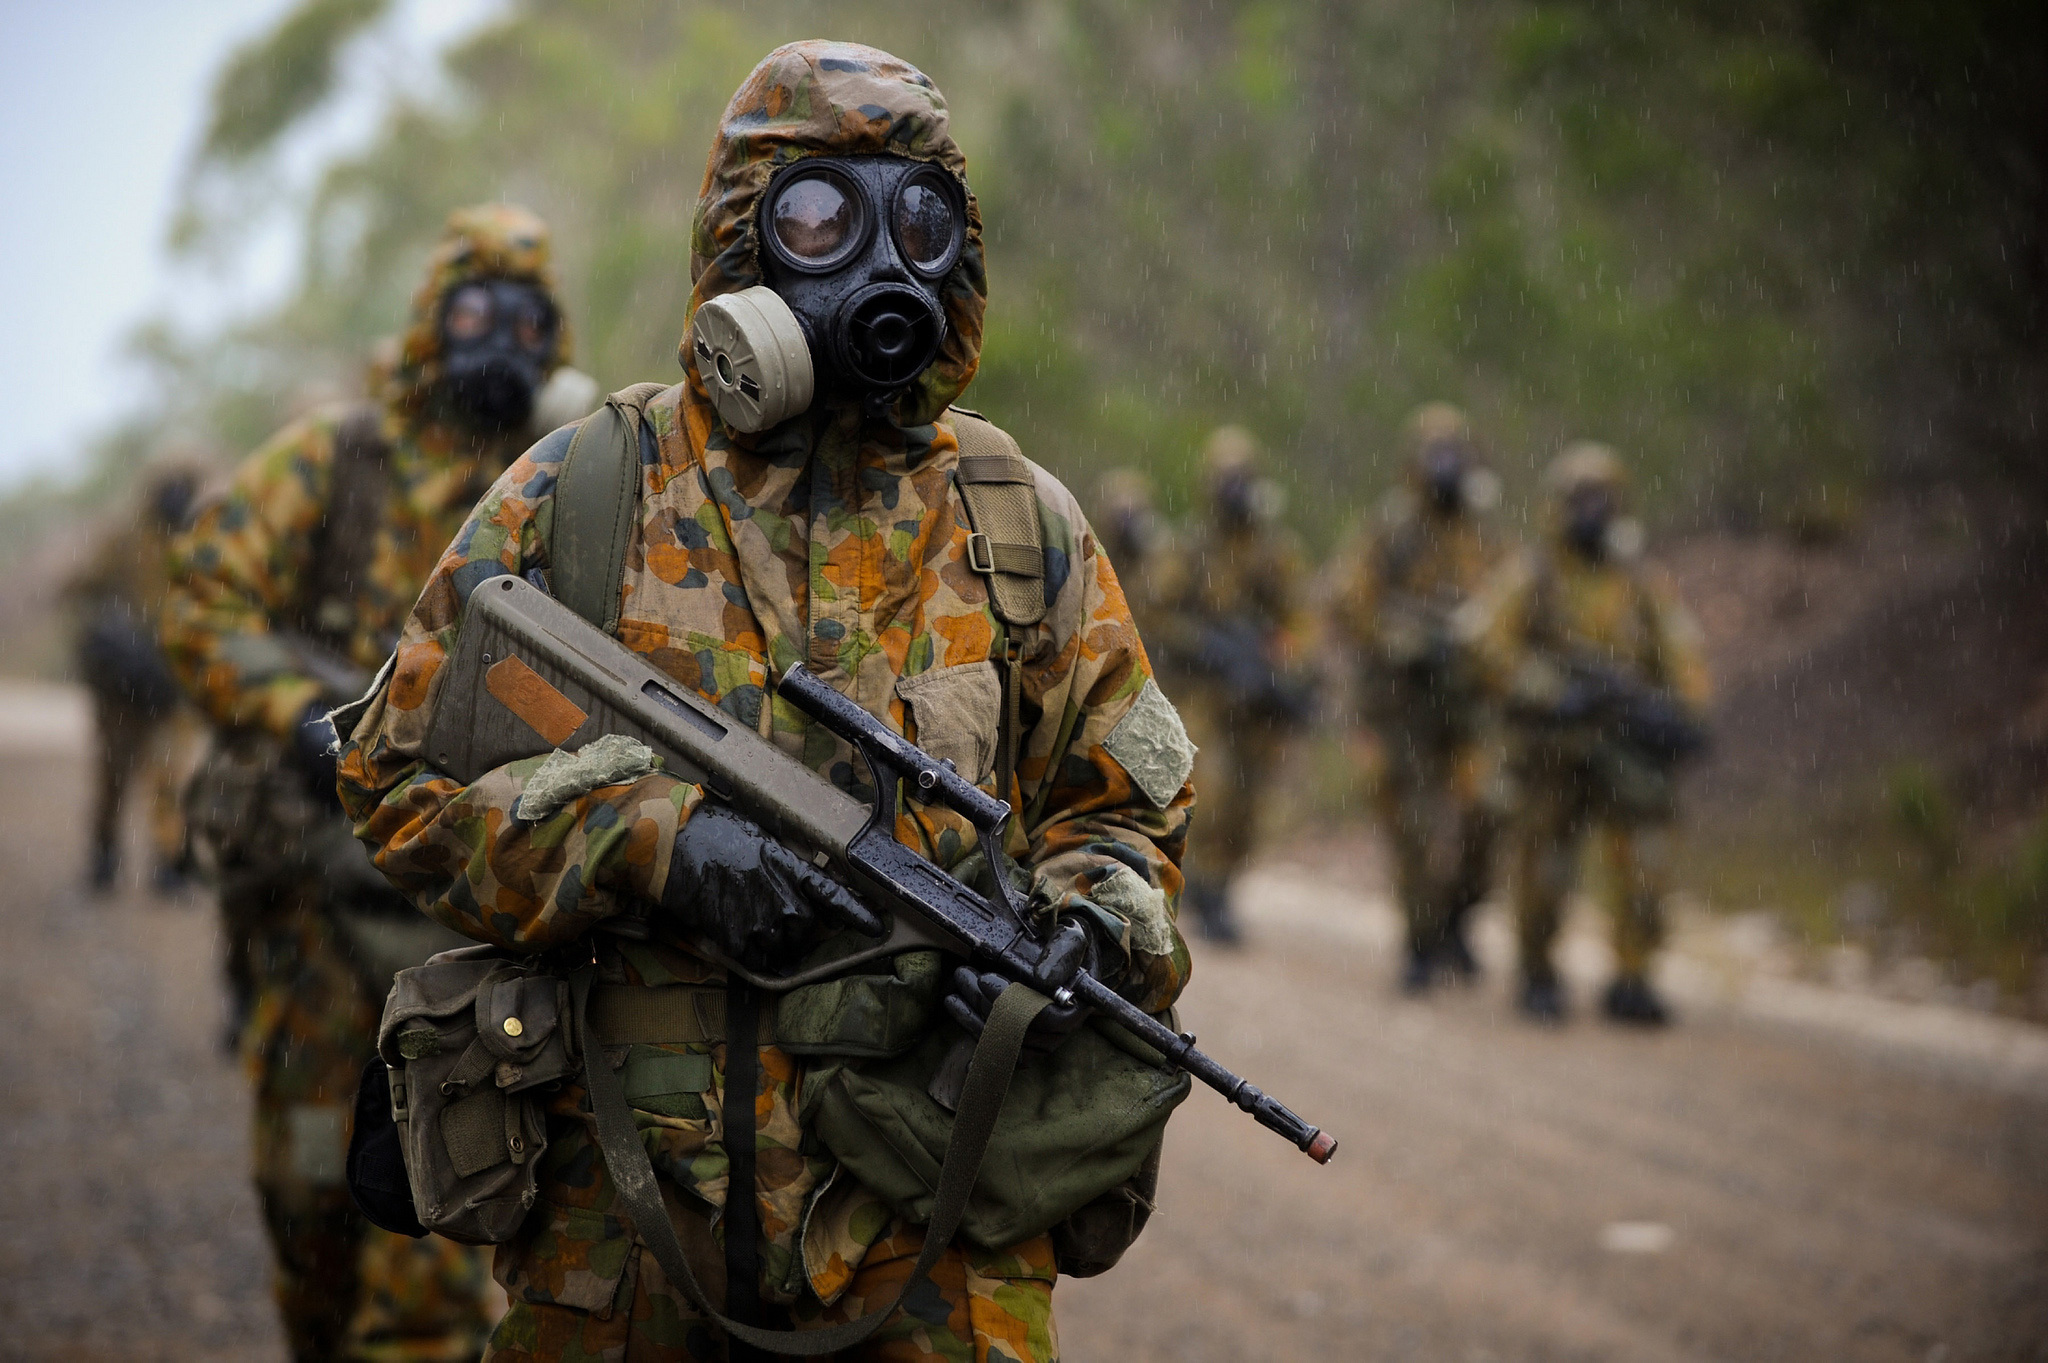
[1587,514]
[1444,465]
[858,247]
[498,341]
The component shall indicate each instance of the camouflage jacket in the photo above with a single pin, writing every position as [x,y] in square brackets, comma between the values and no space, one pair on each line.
[827,541]
[1394,590]
[243,577]
[1548,605]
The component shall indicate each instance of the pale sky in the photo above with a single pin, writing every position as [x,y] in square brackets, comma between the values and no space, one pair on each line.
[100,104]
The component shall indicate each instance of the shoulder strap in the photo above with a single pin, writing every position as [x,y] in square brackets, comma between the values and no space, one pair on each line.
[359,483]
[1008,545]
[988,1080]
[596,495]
[1008,548]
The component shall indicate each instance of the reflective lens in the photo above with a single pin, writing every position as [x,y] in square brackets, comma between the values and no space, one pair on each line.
[468,315]
[815,218]
[533,324]
[925,222]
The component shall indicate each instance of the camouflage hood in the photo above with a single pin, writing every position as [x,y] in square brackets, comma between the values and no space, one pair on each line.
[487,241]
[818,98]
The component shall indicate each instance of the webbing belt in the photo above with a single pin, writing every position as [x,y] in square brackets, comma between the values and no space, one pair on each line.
[666,1015]
[981,1099]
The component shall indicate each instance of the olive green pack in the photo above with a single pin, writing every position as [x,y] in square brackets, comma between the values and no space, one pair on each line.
[1075,1149]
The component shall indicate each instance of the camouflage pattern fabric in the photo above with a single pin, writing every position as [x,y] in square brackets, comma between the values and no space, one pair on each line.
[126,573]
[244,576]
[826,540]
[1251,572]
[1544,606]
[1394,590]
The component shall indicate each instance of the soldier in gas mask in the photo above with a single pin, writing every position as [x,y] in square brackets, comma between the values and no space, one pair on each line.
[808,494]
[288,593]
[1395,594]
[1603,678]
[1234,638]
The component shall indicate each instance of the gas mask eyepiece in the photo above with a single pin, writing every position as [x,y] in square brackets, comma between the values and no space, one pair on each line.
[497,338]
[854,250]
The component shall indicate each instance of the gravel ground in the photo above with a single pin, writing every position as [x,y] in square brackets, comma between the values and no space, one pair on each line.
[1819,1181]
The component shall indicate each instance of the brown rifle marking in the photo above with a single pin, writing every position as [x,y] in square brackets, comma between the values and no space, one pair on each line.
[527,694]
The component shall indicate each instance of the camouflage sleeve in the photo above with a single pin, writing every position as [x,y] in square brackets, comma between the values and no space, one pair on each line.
[1495,622]
[1353,589]
[459,850]
[1103,772]
[237,570]
[1681,661]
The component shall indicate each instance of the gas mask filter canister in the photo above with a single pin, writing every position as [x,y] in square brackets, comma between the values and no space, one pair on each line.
[753,358]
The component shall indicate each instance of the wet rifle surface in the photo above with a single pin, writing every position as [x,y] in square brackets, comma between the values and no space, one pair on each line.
[529,675]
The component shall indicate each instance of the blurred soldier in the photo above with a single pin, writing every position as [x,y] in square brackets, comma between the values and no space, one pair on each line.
[289,592]
[139,718]
[1606,684]
[1141,548]
[1395,592]
[826,517]
[1232,632]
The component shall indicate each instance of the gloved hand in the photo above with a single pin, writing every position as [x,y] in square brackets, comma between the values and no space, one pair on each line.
[748,895]
[1073,951]
[314,753]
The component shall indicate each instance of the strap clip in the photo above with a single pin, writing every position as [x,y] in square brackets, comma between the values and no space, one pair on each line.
[983,561]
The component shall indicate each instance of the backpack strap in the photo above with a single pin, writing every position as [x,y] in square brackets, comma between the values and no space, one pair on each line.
[1007,547]
[1001,492]
[358,487]
[597,494]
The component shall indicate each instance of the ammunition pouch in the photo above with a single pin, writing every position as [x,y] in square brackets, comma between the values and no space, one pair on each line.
[1075,1150]
[471,1043]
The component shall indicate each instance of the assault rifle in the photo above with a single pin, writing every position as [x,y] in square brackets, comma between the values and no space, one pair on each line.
[530,675]
[1645,717]
[1234,653]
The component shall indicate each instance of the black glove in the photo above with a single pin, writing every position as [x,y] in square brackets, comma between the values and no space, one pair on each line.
[1073,951]
[748,895]
[313,752]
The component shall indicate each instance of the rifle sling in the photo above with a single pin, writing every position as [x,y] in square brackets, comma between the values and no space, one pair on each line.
[988,1080]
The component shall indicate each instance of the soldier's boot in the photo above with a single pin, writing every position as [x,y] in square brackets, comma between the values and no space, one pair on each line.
[101,868]
[1419,972]
[1632,1000]
[1542,999]
[1456,956]
[1213,915]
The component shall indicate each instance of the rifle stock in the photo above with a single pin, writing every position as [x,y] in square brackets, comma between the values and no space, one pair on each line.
[529,675]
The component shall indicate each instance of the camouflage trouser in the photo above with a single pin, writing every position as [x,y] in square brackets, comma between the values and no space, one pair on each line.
[1437,803]
[1556,815]
[345,1289]
[162,748]
[979,1307]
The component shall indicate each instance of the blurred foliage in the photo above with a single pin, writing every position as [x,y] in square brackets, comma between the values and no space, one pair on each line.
[1984,909]
[1772,251]
[270,83]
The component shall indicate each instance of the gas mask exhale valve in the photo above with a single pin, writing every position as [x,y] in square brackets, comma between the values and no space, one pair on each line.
[854,250]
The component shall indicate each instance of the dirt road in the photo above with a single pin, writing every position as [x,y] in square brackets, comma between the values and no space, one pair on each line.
[1787,1175]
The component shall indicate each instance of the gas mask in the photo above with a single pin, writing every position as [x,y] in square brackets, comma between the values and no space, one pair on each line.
[497,339]
[854,250]
[1445,464]
[1588,512]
